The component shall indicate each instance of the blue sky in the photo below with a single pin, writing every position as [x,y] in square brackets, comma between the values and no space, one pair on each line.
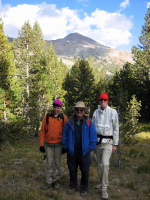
[114,23]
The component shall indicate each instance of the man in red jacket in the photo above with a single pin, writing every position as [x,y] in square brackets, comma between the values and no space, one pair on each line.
[51,143]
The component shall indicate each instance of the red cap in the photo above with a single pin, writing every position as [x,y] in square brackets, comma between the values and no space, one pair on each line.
[104,95]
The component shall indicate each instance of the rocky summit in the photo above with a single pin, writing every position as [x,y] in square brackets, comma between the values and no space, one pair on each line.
[75,46]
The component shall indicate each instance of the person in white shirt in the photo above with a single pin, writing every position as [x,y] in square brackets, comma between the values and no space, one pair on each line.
[106,123]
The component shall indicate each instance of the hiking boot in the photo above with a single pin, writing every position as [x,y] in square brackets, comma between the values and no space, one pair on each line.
[83,193]
[56,185]
[71,190]
[98,186]
[104,194]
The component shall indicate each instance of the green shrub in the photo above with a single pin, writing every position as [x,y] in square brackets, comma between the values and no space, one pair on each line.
[132,151]
[12,131]
[131,185]
[143,168]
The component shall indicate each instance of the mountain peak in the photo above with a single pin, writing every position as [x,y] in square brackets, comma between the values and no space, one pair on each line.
[75,46]
[79,38]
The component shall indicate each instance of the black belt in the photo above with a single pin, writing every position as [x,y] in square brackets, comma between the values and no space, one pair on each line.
[102,136]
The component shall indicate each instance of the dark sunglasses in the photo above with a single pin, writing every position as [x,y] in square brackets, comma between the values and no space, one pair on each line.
[103,99]
[79,109]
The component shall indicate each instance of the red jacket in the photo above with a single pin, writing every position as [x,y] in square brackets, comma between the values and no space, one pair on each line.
[53,132]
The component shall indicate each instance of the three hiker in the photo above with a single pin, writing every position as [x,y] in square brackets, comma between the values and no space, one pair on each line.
[51,143]
[78,137]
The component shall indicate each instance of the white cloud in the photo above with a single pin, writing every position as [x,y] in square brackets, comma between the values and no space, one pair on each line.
[148,4]
[124,4]
[111,29]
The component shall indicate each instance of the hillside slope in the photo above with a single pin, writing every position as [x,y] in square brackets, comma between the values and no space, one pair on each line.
[75,46]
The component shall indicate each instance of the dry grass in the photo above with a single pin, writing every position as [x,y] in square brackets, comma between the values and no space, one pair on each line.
[22,172]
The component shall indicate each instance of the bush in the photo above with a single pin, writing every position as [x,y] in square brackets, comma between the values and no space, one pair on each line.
[12,131]
[144,168]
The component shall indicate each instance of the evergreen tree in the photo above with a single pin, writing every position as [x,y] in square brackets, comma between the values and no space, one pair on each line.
[36,100]
[79,85]
[8,79]
[55,74]
[142,66]
[9,90]
[23,48]
[29,49]
[48,78]
[129,127]
[122,86]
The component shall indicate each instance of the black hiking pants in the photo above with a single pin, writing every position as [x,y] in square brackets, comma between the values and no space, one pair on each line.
[83,161]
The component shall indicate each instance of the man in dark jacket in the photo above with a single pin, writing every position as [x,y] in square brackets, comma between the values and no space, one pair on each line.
[79,138]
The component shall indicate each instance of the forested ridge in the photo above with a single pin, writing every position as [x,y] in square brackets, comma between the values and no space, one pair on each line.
[31,77]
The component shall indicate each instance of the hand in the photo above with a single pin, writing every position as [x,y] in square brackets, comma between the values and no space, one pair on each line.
[114,148]
[42,149]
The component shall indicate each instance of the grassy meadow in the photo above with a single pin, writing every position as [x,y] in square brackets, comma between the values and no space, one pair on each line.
[22,173]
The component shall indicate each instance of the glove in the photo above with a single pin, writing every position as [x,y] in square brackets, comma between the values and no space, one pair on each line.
[64,151]
[42,149]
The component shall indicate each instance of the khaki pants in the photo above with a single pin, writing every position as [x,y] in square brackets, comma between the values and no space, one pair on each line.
[103,154]
[53,162]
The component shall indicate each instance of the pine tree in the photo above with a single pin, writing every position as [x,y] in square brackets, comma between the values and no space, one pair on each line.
[8,83]
[49,74]
[55,73]
[130,125]
[29,49]
[79,85]
[9,90]
[122,86]
[23,48]
[36,100]
[142,66]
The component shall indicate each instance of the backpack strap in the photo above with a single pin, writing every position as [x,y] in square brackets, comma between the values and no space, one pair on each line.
[61,116]
[88,122]
[47,118]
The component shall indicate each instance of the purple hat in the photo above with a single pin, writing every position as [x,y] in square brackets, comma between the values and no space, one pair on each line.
[57,102]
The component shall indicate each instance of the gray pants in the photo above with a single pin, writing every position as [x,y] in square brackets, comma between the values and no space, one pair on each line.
[53,162]
[103,154]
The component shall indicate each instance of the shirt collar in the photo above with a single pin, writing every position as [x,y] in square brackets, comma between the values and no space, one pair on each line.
[102,110]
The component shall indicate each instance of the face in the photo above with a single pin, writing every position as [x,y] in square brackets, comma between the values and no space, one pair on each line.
[103,103]
[79,112]
[56,110]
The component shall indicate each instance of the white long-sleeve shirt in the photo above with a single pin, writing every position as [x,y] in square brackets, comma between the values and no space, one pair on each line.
[106,123]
